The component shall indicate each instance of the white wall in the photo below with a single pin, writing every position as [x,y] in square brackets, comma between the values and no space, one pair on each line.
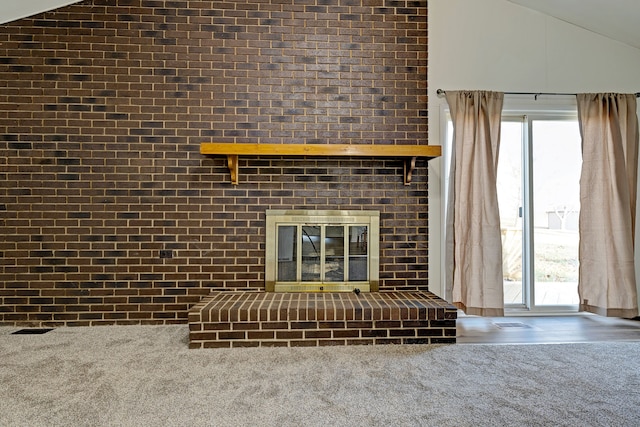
[497,45]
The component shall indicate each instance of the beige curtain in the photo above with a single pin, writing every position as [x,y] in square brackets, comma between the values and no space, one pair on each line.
[474,242]
[609,129]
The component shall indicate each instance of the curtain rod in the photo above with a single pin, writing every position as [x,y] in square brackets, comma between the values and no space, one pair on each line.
[536,94]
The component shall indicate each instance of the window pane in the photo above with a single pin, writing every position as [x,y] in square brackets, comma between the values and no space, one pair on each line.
[557,161]
[311,250]
[334,254]
[510,199]
[287,265]
[358,247]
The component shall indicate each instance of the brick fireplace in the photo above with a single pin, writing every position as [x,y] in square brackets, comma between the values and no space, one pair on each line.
[321,270]
[110,214]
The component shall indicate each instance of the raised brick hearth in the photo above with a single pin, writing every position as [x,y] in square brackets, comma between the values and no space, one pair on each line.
[253,319]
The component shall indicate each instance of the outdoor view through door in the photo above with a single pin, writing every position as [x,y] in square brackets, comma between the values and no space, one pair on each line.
[538,195]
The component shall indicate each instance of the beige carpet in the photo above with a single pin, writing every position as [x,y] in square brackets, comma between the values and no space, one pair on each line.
[146,376]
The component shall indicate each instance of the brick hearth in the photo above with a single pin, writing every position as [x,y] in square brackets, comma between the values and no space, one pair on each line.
[253,319]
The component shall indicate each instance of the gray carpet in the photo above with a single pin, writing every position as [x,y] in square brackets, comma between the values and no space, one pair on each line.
[146,376]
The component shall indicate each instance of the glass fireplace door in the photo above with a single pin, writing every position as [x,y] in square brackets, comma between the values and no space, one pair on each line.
[322,251]
[311,244]
[334,254]
[322,256]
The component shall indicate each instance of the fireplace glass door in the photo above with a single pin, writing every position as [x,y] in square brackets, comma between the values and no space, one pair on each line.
[323,253]
[333,259]
[322,256]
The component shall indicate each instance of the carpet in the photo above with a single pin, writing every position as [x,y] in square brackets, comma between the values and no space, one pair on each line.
[146,376]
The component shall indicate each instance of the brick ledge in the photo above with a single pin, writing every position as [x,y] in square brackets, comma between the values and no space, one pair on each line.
[252,319]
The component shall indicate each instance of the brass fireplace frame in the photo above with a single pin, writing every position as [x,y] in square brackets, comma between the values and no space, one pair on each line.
[346,218]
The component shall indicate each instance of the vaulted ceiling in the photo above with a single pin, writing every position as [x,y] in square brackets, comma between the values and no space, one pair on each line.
[13,10]
[615,19]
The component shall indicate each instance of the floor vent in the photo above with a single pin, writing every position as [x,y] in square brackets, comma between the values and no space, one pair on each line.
[32,331]
[504,325]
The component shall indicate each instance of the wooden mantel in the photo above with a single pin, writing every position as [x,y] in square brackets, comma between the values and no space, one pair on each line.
[409,153]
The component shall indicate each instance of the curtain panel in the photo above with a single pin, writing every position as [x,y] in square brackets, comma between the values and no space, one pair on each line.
[474,247]
[609,129]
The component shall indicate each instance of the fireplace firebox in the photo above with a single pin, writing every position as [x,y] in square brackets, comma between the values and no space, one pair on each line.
[322,251]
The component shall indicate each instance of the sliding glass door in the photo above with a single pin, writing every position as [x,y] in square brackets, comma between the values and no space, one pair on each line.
[538,193]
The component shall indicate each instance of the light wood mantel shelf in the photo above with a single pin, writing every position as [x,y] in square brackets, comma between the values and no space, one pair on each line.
[409,153]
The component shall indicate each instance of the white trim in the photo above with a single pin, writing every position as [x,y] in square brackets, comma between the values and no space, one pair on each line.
[637,236]
[436,176]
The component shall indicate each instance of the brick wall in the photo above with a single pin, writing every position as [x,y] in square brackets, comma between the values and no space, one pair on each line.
[103,105]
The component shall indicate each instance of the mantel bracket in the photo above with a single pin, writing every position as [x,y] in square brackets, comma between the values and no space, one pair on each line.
[409,166]
[232,164]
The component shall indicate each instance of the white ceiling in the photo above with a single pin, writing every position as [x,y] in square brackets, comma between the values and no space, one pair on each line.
[615,19]
[13,10]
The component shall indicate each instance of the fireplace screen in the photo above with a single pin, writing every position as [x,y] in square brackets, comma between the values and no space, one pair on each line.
[315,251]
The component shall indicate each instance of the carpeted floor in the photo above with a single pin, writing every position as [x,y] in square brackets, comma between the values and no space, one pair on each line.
[146,376]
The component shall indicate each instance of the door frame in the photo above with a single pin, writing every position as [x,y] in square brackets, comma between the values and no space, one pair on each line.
[528,226]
